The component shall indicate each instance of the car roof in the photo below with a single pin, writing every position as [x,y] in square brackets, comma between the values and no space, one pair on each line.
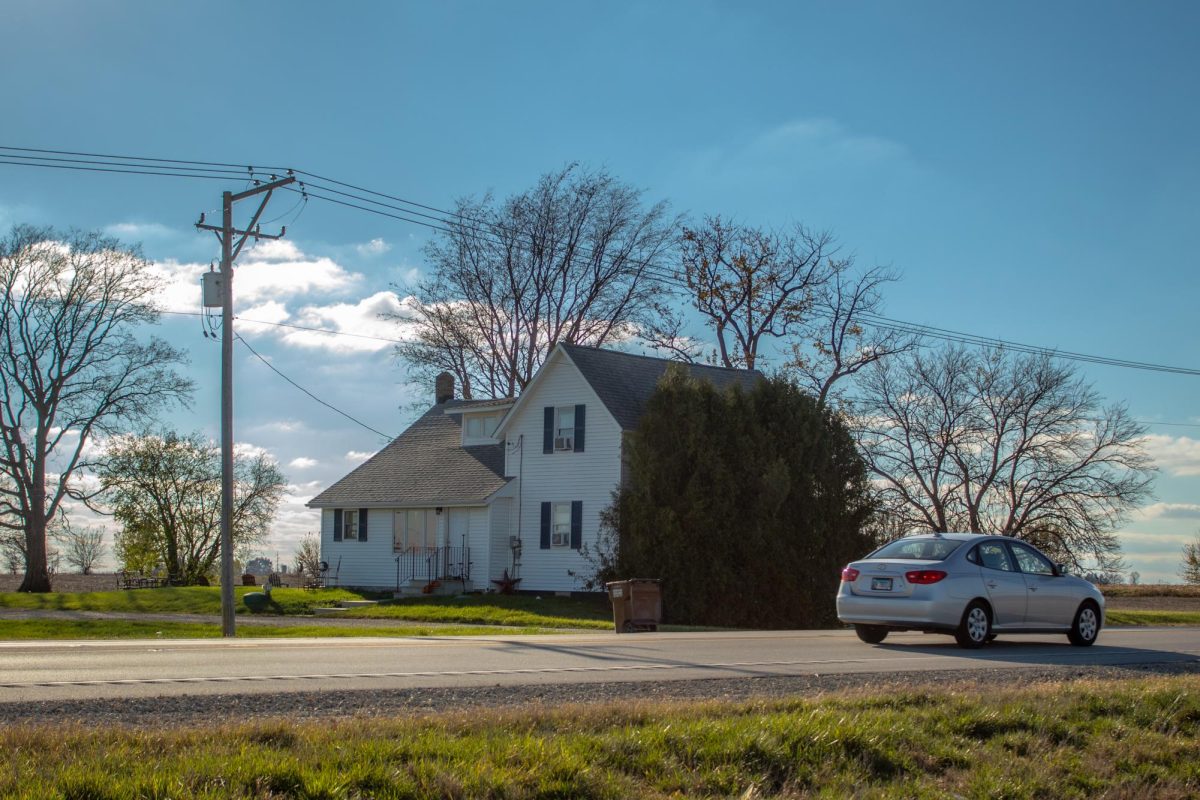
[958,537]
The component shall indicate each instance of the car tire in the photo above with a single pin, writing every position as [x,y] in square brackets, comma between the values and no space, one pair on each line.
[975,627]
[871,634]
[1086,626]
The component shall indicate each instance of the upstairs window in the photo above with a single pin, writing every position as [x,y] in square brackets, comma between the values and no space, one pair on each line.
[564,429]
[479,426]
[350,525]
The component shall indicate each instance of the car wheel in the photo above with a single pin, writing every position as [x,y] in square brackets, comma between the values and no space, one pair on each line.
[1086,627]
[976,626]
[871,634]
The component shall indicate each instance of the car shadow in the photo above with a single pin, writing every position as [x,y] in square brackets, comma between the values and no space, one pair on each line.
[1032,652]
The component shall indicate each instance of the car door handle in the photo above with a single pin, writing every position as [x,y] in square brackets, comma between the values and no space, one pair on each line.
[1033,588]
[991,584]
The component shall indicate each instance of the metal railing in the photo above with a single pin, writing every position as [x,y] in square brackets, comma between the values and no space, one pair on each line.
[430,564]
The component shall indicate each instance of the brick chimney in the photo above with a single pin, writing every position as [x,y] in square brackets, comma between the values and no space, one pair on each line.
[443,388]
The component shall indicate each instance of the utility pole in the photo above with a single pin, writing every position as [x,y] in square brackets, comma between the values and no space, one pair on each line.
[229,252]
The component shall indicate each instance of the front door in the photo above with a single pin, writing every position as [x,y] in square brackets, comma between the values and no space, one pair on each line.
[457,527]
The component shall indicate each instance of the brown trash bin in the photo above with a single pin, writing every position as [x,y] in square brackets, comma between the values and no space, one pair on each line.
[637,604]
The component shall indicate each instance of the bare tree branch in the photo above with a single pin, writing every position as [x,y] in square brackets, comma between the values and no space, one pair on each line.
[70,365]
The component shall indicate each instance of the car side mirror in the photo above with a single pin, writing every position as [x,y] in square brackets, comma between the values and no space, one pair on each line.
[1060,569]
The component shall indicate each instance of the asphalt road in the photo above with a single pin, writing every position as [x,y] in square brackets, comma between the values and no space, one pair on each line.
[122,669]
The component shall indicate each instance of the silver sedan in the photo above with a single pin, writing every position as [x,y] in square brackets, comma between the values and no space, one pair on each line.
[970,585]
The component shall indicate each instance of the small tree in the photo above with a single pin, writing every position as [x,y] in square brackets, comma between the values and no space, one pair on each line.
[1189,570]
[82,548]
[168,488]
[308,555]
[746,504]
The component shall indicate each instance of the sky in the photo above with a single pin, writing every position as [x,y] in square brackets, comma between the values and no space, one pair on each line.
[1032,170]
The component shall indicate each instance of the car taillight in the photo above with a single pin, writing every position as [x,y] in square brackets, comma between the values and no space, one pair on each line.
[924,576]
[849,574]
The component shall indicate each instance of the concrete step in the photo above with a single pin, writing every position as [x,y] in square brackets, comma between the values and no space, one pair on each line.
[357,603]
[328,612]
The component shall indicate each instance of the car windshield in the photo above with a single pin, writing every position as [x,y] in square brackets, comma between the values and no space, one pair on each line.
[918,549]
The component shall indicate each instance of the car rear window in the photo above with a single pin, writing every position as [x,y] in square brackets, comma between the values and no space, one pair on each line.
[918,549]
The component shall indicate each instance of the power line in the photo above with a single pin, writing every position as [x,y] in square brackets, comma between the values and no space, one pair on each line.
[450,222]
[274,369]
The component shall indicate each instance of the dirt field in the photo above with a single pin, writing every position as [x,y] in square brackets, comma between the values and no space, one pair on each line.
[66,583]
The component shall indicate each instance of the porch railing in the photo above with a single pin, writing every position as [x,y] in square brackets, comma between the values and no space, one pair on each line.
[430,564]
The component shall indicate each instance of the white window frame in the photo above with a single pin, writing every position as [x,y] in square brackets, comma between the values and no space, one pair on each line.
[560,532]
[564,434]
[350,524]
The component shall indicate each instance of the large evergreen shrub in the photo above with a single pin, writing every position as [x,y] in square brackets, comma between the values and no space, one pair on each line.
[745,503]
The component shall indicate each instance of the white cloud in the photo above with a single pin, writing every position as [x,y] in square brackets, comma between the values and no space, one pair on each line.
[1178,455]
[269,274]
[274,250]
[302,462]
[375,247]
[357,456]
[1170,511]
[138,231]
[370,333]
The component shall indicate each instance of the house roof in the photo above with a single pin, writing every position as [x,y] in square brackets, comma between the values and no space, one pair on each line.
[425,465]
[624,382]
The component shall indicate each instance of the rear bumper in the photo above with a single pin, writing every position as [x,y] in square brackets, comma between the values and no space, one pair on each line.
[897,612]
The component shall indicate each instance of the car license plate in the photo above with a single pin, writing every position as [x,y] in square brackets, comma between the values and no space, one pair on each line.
[881,584]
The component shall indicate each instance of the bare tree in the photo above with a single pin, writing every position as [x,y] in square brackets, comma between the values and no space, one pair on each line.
[837,340]
[168,488]
[71,369]
[571,260]
[751,284]
[82,548]
[990,441]
[308,555]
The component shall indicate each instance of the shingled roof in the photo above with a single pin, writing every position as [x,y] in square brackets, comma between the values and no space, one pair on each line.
[425,465]
[625,381]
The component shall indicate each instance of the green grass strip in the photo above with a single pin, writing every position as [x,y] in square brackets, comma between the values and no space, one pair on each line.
[173,600]
[1129,738]
[1152,617]
[60,629]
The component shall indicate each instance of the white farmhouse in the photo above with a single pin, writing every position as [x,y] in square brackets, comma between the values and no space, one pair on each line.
[475,489]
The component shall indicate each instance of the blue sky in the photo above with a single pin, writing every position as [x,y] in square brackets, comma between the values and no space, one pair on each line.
[1031,169]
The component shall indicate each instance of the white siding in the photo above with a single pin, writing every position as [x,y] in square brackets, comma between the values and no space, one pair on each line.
[562,477]
[369,564]
[500,554]
[478,541]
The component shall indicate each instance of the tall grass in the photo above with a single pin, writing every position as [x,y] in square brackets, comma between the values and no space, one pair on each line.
[1133,738]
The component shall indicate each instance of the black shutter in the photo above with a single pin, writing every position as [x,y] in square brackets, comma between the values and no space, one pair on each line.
[580,417]
[576,524]
[545,544]
[362,524]
[548,431]
[337,524]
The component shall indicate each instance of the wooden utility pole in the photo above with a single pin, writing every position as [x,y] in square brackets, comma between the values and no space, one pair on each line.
[229,253]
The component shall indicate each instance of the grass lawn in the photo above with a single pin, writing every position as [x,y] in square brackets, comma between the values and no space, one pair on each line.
[173,600]
[492,609]
[1128,738]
